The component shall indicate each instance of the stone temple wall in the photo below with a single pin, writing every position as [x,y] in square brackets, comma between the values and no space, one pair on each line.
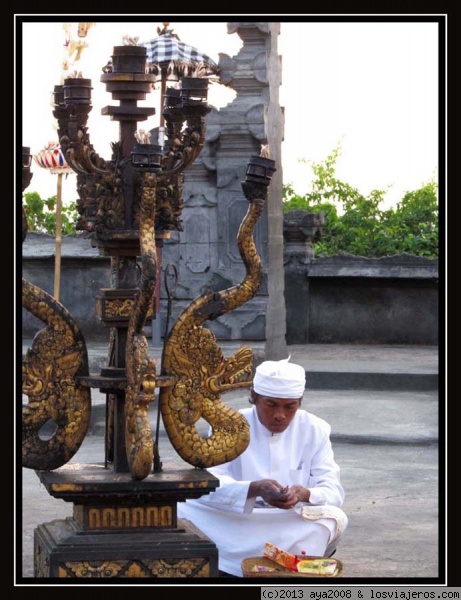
[329,300]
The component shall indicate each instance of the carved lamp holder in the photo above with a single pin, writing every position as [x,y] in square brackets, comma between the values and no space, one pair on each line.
[26,157]
[260,170]
[147,157]
[77,91]
[194,90]
[26,179]
[171,98]
[128,204]
[26,162]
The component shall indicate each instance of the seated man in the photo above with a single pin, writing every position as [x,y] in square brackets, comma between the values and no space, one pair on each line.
[284,489]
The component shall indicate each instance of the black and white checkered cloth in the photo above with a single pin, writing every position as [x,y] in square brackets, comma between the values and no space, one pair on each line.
[166,49]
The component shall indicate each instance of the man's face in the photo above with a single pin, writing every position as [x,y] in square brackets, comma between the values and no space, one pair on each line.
[275,413]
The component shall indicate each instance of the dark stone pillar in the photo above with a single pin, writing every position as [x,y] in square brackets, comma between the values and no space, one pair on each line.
[299,230]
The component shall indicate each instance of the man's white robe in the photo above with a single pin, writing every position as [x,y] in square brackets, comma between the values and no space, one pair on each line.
[302,454]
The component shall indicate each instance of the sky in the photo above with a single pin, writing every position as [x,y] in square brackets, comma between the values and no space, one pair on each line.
[373,87]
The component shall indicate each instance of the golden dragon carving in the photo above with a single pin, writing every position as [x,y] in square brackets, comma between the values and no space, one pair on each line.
[50,373]
[140,368]
[200,370]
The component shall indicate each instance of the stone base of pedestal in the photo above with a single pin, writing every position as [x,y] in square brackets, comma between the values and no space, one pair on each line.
[61,550]
[122,528]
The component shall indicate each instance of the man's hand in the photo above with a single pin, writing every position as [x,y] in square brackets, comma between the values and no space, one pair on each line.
[276,495]
[301,492]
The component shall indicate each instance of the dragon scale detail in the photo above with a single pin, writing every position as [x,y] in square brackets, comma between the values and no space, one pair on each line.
[50,373]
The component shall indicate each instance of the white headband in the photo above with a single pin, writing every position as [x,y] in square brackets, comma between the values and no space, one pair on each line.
[279,379]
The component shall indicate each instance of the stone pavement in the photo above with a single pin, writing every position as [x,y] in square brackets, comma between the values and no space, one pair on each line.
[386,413]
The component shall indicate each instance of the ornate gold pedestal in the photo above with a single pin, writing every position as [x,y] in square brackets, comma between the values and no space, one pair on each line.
[122,528]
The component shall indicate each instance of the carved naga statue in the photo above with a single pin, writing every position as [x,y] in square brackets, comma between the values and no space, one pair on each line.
[194,359]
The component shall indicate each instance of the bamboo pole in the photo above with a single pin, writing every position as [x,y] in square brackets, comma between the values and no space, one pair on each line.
[57,262]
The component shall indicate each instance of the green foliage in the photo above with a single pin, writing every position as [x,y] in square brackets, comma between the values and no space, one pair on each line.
[357,224]
[41,214]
